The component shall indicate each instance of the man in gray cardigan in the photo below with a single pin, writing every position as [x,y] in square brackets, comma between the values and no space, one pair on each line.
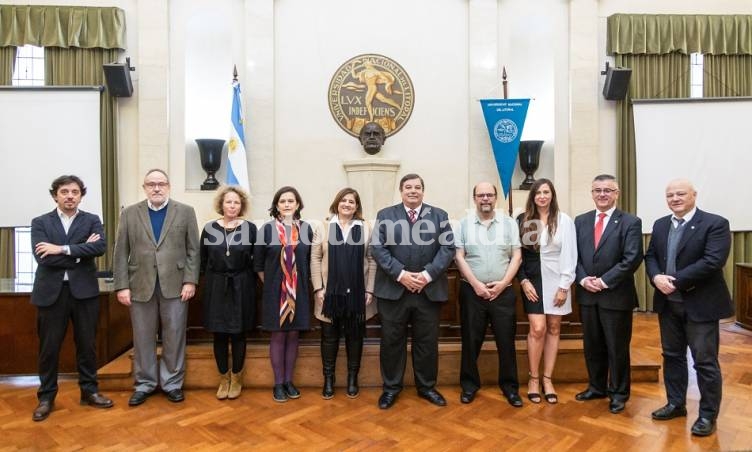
[156,266]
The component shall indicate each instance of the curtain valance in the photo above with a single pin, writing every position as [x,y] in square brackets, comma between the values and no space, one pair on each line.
[62,26]
[669,33]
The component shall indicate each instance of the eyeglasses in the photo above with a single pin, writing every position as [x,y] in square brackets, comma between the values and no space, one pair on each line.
[604,191]
[484,195]
[153,185]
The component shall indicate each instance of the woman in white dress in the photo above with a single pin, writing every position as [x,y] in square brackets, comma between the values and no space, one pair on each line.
[549,258]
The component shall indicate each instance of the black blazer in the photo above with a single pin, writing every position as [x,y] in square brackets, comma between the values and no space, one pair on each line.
[80,265]
[617,257]
[266,255]
[394,250]
[700,257]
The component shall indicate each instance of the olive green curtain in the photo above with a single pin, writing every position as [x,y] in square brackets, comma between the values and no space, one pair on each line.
[653,77]
[62,26]
[7,61]
[7,236]
[658,34]
[727,75]
[76,66]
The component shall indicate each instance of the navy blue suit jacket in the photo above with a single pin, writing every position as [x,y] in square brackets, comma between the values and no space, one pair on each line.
[395,249]
[80,265]
[701,254]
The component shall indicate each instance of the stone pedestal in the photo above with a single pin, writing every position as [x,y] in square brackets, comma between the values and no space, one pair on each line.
[375,179]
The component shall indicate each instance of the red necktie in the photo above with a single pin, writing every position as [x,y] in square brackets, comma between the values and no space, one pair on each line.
[412,215]
[599,228]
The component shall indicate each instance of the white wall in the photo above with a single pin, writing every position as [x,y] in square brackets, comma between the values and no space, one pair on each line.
[312,39]
[286,51]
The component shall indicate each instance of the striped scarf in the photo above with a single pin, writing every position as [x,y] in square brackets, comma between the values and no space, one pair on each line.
[287,293]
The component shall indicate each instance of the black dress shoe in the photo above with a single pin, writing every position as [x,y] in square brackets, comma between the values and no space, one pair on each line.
[433,396]
[589,394]
[176,395]
[279,394]
[669,412]
[514,399]
[616,406]
[291,391]
[387,399]
[467,396]
[96,400]
[42,410]
[703,427]
[139,397]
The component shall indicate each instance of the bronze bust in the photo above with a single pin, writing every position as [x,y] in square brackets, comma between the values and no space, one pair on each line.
[372,137]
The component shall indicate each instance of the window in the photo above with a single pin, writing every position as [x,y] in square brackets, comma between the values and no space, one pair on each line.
[25,263]
[695,75]
[29,68]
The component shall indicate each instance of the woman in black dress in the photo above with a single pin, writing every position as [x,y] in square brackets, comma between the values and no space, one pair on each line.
[281,258]
[229,291]
[343,273]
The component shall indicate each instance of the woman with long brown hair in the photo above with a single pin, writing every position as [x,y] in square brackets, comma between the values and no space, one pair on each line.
[549,260]
[343,274]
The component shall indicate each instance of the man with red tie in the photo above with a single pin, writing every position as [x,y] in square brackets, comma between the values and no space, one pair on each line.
[609,250]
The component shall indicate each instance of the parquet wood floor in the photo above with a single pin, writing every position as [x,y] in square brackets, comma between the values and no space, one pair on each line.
[255,422]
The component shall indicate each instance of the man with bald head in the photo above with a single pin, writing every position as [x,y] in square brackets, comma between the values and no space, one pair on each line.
[684,262]
[488,255]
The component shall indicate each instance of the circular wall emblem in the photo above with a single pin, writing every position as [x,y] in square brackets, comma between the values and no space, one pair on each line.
[371,88]
[505,130]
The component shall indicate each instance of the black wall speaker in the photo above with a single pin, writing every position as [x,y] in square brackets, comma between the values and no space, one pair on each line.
[617,83]
[118,78]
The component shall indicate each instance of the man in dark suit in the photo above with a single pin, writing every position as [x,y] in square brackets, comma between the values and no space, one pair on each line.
[156,266]
[65,243]
[413,247]
[609,251]
[685,262]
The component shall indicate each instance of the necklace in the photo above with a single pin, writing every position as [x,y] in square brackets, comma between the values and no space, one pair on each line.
[228,239]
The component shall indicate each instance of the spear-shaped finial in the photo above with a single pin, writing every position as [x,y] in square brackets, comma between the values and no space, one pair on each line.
[234,72]
[504,81]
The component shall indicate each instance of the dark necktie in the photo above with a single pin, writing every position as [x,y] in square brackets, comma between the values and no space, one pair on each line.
[412,215]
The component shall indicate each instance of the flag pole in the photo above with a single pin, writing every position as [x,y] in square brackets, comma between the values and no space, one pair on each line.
[506,96]
[234,73]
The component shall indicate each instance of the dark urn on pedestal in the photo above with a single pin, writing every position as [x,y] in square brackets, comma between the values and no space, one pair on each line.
[529,160]
[210,151]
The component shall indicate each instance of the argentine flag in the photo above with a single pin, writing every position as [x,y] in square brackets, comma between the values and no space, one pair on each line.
[237,168]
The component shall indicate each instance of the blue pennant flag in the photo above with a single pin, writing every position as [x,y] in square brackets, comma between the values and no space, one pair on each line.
[237,168]
[505,119]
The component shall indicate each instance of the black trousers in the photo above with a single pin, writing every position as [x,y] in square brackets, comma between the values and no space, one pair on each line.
[678,332]
[52,323]
[422,315]
[607,334]
[475,315]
